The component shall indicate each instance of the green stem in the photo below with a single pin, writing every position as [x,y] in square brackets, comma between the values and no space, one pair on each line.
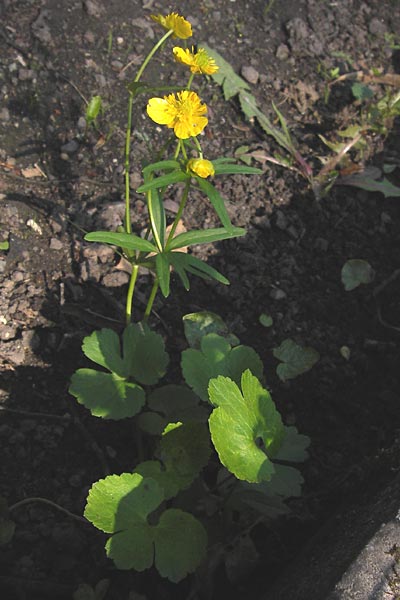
[152,297]
[49,503]
[182,144]
[179,213]
[196,141]
[129,296]
[129,128]
[127,165]
[190,81]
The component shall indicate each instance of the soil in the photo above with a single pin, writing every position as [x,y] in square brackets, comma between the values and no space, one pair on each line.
[59,180]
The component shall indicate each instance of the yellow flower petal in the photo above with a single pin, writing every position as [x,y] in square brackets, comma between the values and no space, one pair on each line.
[174,22]
[184,113]
[201,167]
[199,62]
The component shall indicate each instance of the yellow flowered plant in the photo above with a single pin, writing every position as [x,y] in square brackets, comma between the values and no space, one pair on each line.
[201,167]
[199,62]
[180,27]
[183,112]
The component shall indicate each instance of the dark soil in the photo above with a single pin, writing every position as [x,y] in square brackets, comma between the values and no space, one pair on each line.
[56,288]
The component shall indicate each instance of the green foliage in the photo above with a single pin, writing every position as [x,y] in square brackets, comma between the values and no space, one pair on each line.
[266,320]
[217,357]
[356,272]
[184,450]
[121,504]
[170,404]
[199,324]
[240,419]
[87,592]
[93,109]
[111,395]
[295,359]
[361,91]
[4,245]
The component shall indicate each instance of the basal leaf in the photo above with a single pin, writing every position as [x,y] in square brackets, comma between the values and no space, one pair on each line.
[129,241]
[294,446]
[356,272]
[120,505]
[145,357]
[180,544]
[103,348]
[216,357]
[174,403]
[241,420]
[197,325]
[295,359]
[106,395]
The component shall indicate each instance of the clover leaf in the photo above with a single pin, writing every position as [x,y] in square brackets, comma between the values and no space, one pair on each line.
[121,504]
[295,359]
[111,395]
[217,357]
[242,421]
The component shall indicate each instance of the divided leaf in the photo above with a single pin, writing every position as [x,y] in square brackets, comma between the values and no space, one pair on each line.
[295,359]
[242,421]
[144,353]
[217,357]
[121,504]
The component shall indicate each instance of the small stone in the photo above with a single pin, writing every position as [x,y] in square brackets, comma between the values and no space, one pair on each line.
[250,74]
[321,244]
[55,244]
[281,220]
[282,52]
[277,294]
[70,147]
[4,114]
[3,264]
[92,8]
[117,65]
[64,156]
[26,74]
[115,279]
[81,125]
[18,276]
[376,27]
[89,37]
[8,333]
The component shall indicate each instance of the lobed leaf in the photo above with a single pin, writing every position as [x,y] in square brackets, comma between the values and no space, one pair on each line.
[217,357]
[145,357]
[197,325]
[296,359]
[240,419]
[106,395]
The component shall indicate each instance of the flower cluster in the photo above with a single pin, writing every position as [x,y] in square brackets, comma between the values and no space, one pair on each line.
[184,112]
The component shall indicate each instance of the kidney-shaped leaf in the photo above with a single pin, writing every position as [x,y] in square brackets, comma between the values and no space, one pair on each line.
[295,359]
[106,395]
[242,422]
[144,353]
[355,272]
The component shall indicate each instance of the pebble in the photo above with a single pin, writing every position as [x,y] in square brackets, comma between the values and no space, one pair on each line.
[281,220]
[2,265]
[55,244]
[26,74]
[115,279]
[93,9]
[277,294]
[81,125]
[18,276]
[282,52]
[70,147]
[4,114]
[8,333]
[250,74]
[376,27]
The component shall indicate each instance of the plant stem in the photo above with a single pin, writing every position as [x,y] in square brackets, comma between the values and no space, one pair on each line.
[152,297]
[197,143]
[127,165]
[190,81]
[179,213]
[49,503]
[129,296]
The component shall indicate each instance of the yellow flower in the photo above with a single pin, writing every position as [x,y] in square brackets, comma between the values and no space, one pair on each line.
[183,112]
[201,167]
[174,22]
[199,62]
